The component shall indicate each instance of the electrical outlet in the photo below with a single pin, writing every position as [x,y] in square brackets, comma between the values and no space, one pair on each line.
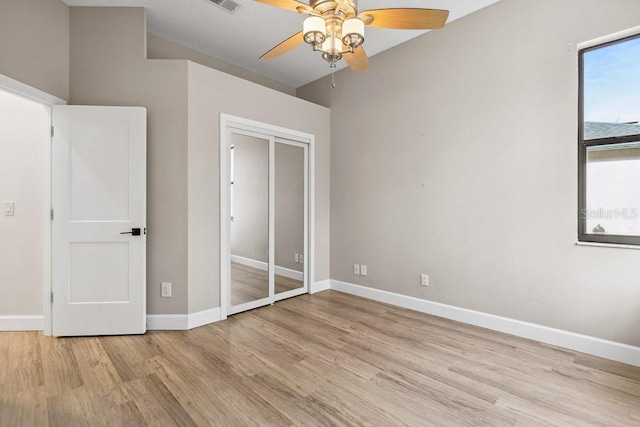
[356,269]
[363,270]
[424,280]
[297,258]
[166,290]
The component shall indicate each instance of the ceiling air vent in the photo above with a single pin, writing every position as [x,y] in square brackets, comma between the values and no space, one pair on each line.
[228,5]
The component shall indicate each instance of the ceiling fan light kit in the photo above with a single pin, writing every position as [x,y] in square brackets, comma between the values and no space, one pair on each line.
[336,29]
[353,32]
[314,30]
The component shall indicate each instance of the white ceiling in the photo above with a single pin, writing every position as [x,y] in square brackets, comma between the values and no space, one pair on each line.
[241,38]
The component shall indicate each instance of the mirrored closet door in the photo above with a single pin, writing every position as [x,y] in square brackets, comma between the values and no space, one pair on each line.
[249,196]
[290,213]
[268,214]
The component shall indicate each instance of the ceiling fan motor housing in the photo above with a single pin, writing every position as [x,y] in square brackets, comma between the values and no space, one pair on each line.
[342,8]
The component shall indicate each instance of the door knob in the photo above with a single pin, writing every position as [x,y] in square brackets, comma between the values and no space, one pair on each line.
[133,232]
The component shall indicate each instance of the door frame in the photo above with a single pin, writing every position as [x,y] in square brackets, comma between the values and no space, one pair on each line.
[228,122]
[48,101]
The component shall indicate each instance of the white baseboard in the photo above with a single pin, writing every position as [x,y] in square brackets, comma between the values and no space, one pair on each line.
[323,285]
[203,317]
[182,322]
[585,344]
[280,271]
[21,323]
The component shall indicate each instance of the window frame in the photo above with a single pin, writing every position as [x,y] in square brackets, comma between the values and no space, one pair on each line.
[583,235]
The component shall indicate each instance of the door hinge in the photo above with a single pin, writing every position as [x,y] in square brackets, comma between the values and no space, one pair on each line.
[51,297]
[52,132]
[52,214]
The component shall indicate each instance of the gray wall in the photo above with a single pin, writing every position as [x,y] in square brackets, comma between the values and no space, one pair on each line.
[108,67]
[158,48]
[455,155]
[250,226]
[34,44]
[211,93]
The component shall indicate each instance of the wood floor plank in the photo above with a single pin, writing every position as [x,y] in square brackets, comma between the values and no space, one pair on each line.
[156,404]
[329,359]
[27,407]
[24,364]
[434,324]
[467,405]
[4,358]
[604,365]
[399,404]
[125,414]
[290,403]
[542,394]
[307,328]
[60,368]
[190,392]
[126,357]
[71,408]
[102,383]
[634,414]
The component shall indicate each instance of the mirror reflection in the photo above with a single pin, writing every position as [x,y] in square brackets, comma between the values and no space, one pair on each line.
[249,218]
[289,217]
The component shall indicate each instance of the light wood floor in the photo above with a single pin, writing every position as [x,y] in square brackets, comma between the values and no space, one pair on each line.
[250,284]
[327,359]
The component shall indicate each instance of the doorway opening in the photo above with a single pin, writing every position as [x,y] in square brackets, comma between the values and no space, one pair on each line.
[25,199]
[266,214]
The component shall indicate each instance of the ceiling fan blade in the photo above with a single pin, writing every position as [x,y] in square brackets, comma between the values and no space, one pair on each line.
[405,18]
[358,60]
[284,47]
[292,5]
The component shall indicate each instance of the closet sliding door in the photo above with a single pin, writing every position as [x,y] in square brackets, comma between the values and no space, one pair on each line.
[268,181]
[291,211]
[251,277]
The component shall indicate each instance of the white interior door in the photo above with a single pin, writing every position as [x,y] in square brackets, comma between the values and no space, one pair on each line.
[98,193]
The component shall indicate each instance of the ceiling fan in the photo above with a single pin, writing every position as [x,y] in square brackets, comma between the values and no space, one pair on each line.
[335,28]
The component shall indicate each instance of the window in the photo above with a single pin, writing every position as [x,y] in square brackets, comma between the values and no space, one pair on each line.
[609,143]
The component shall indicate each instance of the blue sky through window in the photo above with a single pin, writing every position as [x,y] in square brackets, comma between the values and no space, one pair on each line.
[612,83]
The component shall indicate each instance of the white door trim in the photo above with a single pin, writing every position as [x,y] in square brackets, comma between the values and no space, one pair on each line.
[228,121]
[18,88]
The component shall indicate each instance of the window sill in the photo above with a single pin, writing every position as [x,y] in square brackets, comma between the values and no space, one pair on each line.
[607,245]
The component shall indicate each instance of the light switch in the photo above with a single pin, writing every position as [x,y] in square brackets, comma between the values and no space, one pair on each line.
[8,208]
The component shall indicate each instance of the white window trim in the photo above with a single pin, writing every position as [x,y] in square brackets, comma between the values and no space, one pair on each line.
[609,38]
